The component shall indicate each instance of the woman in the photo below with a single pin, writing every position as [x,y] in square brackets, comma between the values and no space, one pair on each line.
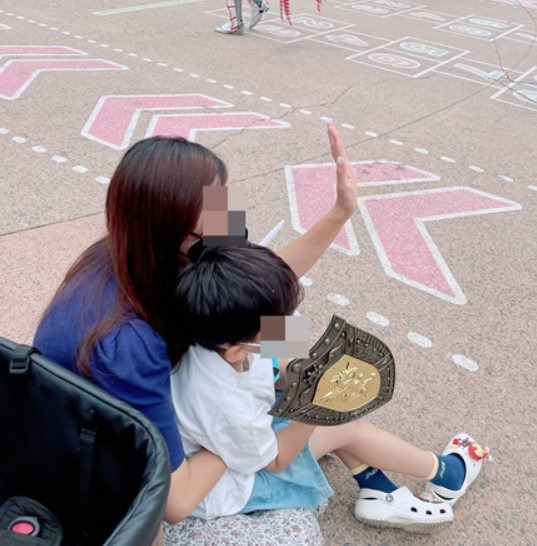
[111,318]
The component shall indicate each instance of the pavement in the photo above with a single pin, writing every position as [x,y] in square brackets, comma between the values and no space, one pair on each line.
[437,103]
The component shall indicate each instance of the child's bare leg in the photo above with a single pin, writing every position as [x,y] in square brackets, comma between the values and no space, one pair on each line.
[361,442]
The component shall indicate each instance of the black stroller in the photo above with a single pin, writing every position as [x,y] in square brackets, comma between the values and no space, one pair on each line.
[77,466]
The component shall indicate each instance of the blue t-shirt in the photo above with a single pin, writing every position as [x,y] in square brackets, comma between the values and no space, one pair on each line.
[131,362]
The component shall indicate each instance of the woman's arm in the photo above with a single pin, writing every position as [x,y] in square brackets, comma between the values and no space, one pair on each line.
[302,253]
[191,483]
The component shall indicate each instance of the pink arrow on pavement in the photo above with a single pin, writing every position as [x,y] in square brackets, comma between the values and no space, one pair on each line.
[17,75]
[187,125]
[114,118]
[38,51]
[397,225]
[311,189]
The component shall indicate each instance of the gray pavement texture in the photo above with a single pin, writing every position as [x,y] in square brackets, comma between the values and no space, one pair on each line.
[436,98]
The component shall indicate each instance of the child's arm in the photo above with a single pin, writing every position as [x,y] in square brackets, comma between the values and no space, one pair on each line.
[291,441]
[282,367]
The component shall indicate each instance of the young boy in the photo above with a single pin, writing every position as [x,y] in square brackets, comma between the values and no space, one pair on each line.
[222,393]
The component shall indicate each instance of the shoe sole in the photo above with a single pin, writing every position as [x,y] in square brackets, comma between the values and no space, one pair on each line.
[419,528]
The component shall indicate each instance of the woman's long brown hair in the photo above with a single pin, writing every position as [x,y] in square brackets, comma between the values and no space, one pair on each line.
[154,201]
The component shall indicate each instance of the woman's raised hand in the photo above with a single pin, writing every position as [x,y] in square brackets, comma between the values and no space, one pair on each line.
[347,180]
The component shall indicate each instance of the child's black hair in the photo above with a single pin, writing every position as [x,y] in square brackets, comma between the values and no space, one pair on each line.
[221,297]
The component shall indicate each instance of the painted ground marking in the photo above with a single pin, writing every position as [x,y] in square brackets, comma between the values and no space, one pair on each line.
[464,362]
[377,318]
[419,340]
[188,125]
[338,299]
[16,75]
[114,117]
[310,186]
[412,256]
[142,7]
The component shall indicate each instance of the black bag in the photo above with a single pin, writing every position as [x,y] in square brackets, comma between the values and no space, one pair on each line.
[97,464]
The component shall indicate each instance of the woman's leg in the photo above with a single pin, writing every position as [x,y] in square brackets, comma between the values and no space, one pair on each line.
[361,442]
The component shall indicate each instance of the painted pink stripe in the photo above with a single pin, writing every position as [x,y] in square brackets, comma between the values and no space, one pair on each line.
[116,114]
[394,220]
[188,125]
[23,50]
[315,191]
[16,75]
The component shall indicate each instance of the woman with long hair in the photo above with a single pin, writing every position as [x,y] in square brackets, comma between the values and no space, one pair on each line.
[111,318]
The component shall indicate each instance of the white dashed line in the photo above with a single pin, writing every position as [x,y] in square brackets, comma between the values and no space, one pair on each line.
[164,65]
[371,134]
[305,112]
[376,318]
[505,178]
[90,41]
[147,60]
[325,118]
[247,93]
[227,86]
[210,80]
[447,159]
[305,281]
[135,55]
[265,99]
[465,363]
[338,299]
[194,75]
[421,150]
[347,126]
[39,149]
[116,49]
[4,131]
[80,169]
[59,159]
[285,105]
[19,139]
[102,180]
[65,32]
[476,169]
[532,187]
[395,141]
[419,340]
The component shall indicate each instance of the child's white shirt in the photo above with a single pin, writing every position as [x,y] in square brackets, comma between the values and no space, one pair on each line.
[226,412]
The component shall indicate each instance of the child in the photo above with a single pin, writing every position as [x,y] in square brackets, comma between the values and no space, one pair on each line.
[222,394]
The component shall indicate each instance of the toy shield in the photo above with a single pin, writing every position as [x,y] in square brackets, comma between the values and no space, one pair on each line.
[348,374]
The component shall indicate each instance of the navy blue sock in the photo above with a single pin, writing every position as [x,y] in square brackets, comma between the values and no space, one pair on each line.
[373,478]
[451,471]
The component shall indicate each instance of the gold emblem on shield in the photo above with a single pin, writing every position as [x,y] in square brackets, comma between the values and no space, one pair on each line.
[348,385]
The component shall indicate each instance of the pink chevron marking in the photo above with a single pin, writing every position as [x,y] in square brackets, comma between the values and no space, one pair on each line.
[114,118]
[396,224]
[312,189]
[187,125]
[18,74]
[38,51]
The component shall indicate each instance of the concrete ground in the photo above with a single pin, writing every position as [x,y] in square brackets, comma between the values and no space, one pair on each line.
[437,103]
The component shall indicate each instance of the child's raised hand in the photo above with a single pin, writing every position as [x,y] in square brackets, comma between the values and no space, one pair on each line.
[347,180]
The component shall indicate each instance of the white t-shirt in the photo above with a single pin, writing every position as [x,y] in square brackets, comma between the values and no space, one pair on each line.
[226,412]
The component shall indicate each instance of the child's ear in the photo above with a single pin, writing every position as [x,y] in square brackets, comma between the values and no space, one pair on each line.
[235,353]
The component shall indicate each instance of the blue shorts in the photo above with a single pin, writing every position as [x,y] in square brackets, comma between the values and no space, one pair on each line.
[301,485]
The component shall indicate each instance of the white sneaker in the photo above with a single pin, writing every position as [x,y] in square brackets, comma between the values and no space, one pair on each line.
[228,29]
[256,13]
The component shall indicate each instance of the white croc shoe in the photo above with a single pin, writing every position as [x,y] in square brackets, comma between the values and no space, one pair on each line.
[403,510]
[472,455]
